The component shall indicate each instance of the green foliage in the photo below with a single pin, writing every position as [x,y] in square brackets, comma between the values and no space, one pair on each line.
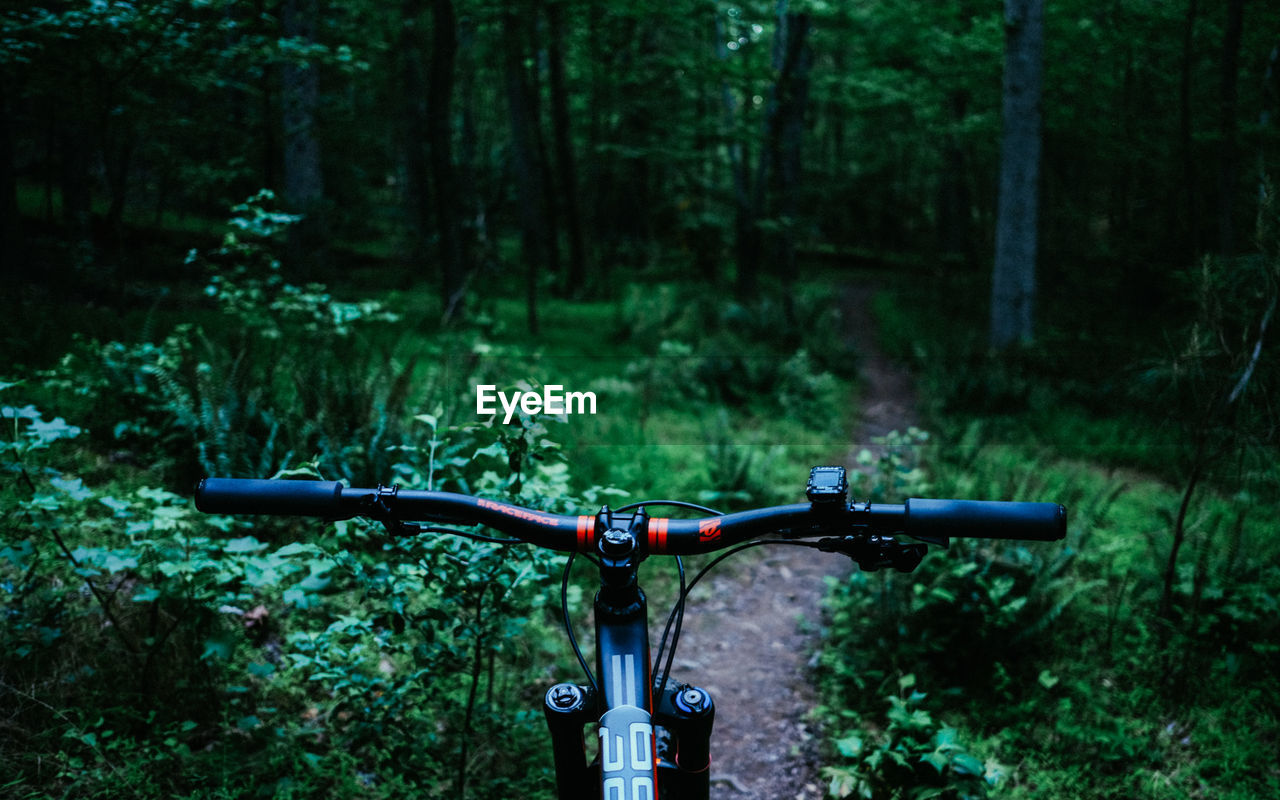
[155,650]
[912,756]
[1053,656]
[785,354]
[289,372]
[313,667]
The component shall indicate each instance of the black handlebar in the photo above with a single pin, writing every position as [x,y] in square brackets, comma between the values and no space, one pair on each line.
[256,496]
[960,519]
[928,520]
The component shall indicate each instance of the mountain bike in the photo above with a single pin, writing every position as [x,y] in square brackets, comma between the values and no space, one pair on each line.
[653,732]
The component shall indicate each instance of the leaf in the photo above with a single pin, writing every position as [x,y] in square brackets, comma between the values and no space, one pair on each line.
[72,486]
[1047,679]
[850,746]
[48,432]
[244,544]
[936,760]
[146,595]
[114,562]
[315,582]
[159,496]
[119,508]
[218,647]
[966,764]
[298,549]
[496,450]
[26,412]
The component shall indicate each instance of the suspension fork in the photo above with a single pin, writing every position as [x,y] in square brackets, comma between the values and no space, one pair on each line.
[685,714]
[632,763]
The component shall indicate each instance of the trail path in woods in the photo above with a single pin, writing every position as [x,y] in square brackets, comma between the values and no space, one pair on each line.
[750,639]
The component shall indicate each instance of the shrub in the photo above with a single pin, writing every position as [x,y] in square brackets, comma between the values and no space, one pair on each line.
[912,756]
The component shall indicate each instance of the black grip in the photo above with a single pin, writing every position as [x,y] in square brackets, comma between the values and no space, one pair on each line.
[985,519]
[255,496]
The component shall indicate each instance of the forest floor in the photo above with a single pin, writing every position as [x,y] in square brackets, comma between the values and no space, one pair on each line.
[751,638]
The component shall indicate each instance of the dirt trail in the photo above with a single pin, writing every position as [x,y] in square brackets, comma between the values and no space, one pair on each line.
[750,637]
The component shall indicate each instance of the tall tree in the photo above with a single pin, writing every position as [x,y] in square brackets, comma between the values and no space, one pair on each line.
[1229,156]
[452,247]
[565,163]
[778,167]
[528,173]
[1013,289]
[745,245]
[792,59]
[11,239]
[1186,141]
[300,100]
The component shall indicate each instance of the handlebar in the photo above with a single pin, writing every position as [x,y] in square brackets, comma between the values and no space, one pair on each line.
[933,521]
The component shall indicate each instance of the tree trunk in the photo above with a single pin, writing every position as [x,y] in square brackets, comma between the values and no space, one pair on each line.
[777,171]
[74,183]
[12,245]
[119,156]
[1229,157]
[1013,287]
[416,165]
[529,194]
[303,178]
[793,100]
[550,223]
[475,225]
[568,179]
[440,140]
[1186,140]
[746,247]
[1266,117]
[955,205]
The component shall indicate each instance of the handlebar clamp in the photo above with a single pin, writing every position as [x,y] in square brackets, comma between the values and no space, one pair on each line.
[377,505]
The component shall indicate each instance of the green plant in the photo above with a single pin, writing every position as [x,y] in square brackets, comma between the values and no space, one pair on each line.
[147,646]
[910,756]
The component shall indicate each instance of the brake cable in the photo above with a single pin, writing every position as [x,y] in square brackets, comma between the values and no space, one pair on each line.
[568,623]
[677,612]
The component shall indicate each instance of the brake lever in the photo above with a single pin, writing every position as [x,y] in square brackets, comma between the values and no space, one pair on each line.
[873,553]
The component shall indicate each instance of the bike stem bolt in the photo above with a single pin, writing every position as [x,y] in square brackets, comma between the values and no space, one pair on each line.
[617,543]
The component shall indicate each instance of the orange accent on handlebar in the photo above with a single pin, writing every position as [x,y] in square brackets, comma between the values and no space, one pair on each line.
[586,533]
[658,534]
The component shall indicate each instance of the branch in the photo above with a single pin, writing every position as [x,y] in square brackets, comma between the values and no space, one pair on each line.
[103,602]
[1253,359]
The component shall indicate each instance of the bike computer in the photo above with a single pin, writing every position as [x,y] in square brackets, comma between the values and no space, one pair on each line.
[827,485]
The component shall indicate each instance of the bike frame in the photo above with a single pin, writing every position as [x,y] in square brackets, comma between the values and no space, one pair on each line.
[634,762]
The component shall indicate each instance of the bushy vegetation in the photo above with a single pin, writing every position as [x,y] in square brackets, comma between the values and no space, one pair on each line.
[1119,662]
[152,650]
[162,653]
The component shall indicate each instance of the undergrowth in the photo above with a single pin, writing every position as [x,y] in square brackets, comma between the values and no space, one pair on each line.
[1051,665]
[152,651]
